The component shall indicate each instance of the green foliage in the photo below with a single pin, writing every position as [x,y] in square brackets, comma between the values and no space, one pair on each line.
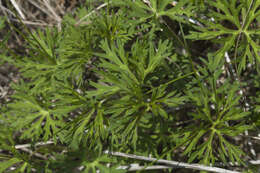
[216,117]
[35,115]
[155,9]
[13,157]
[235,24]
[141,77]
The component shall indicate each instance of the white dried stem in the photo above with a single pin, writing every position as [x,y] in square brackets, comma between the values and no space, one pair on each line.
[37,144]
[31,23]
[36,4]
[172,163]
[57,17]
[89,14]
[34,153]
[5,10]
[17,8]
[255,162]
[136,167]
[47,4]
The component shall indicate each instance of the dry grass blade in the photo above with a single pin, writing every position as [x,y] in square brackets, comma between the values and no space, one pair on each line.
[31,23]
[37,5]
[56,16]
[34,153]
[17,8]
[47,4]
[89,14]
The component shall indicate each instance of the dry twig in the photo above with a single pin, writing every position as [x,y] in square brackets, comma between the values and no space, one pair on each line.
[33,2]
[89,14]
[172,163]
[136,167]
[56,16]
[31,23]
[34,153]
[37,144]
[168,163]
[16,6]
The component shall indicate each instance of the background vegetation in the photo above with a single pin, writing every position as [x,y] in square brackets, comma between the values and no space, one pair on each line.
[130,85]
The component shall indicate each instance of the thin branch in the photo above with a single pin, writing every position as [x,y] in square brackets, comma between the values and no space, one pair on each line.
[61,8]
[136,167]
[16,6]
[3,93]
[173,163]
[253,137]
[5,10]
[37,144]
[30,23]
[89,14]
[34,153]
[57,17]
[167,162]
[40,8]
[46,3]
[255,162]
